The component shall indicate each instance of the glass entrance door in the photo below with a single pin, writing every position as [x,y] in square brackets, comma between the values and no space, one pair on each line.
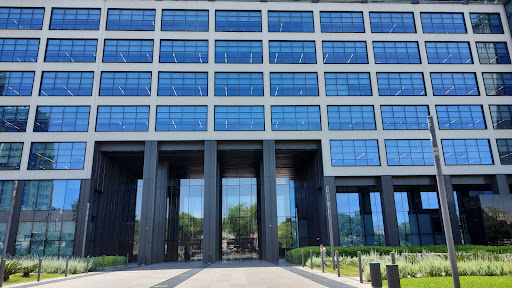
[240,218]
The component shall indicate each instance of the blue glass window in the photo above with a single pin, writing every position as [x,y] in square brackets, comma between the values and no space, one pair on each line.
[237,21]
[498,84]
[128,51]
[16,83]
[351,117]
[355,153]
[185,20]
[401,84]
[348,84]
[66,84]
[18,50]
[467,152]
[296,118]
[443,23]
[184,51]
[292,52]
[131,20]
[13,118]
[181,118]
[409,152]
[448,53]
[505,150]
[125,84]
[288,21]
[404,117]
[122,118]
[460,117]
[239,118]
[501,116]
[50,195]
[238,52]
[486,23]
[71,50]
[342,22]
[238,84]
[75,19]
[396,53]
[10,155]
[454,84]
[385,22]
[183,84]
[57,156]
[344,52]
[21,18]
[6,188]
[293,84]
[62,119]
[493,52]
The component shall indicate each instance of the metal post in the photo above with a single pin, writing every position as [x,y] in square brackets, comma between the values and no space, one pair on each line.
[85,229]
[103,267]
[6,239]
[297,226]
[67,264]
[296,260]
[329,218]
[322,257]
[393,260]
[39,269]
[444,204]
[360,267]
[375,275]
[127,256]
[302,258]
[116,260]
[87,268]
[338,262]
[393,276]
[311,258]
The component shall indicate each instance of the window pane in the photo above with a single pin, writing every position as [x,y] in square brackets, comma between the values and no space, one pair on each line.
[131,20]
[486,23]
[287,21]
[404,117]
[13,118]
[354,153]
[182,84]
[498,84]
[71,50]
[239,118]
[409,152]
[181,118]
[238,84]
[396,53]
[16,83]
[18,50]
[128,51]
[384,22]
[21,18]
[344,52]
[237,21]
[448,53]
[443,23]
[342,22]
[401,84]
[293,84]
[57,156]
[505,150]
[501,116]
[460,117]
[122,118]
[351,117]
[75,19]
[62,119]
[185,20]
[238,52]
[348,84]
[292,52]
[184,51]
[467,152]
[125,84]
[454,84]
[10,155]
[493,52]
[296,118]
[66,84]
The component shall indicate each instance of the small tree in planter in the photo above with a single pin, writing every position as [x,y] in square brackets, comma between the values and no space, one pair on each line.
[11,268]
[29,269]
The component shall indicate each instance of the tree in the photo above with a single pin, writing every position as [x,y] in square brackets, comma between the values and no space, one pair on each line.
[241,221]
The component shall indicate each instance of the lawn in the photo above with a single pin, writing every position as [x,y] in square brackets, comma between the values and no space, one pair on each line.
[465,282]
[349,271]
[16,278]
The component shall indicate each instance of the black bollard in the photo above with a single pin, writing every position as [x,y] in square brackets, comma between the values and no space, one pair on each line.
[393,276]
[127,256]
[39,270]
[311,258]
[116,260]
[296,259]
[375,275]
[322,259]
[360,267]
[87,269]
[302,258]
[393,260]
[67,264]
[338,262]
[103,267]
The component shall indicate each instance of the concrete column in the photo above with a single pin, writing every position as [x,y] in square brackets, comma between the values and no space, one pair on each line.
[11,243]
[389,210]
[329,182]
[211,223]
[454,221]
[81,232]
[269,239]
[160,210]
[147,219]
[500,184]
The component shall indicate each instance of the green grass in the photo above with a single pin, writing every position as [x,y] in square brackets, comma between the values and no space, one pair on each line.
[16,278]
[465,282]
[348,271]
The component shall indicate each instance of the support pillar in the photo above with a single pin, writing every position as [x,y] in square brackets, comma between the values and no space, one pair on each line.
[329,182]
[269,237]
[501,185]
[82,219]
[389,210]
[147,219]
[452,209]
[211,228]
[11,243]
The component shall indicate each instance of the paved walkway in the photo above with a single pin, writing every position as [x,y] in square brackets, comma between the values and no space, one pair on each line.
[259,274]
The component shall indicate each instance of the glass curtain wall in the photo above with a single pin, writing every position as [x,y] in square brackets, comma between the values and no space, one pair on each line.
[239,218]
[286,215]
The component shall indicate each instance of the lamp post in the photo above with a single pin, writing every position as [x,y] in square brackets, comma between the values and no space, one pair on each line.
[329,218]
[8,228]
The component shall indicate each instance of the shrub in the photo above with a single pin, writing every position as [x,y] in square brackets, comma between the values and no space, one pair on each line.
[12,267]
[27,269]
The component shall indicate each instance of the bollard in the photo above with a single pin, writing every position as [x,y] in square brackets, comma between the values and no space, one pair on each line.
[127,256]
[393,276]
[285,259]
[67,264]
[87,269]
[302,258]
[360,267]
[116,260]
[322,259]
[2,271]
[375,275]
[39,270]
[311,258]
[103,267]
[296,260]
[338,262]
[393,260]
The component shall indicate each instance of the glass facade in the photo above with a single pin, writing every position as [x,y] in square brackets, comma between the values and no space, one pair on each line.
[239,118]
[351,117]
[15,83]
[501,116]
[389,22]
[181,118]
[183,84]
[238,84]
[18,50]
[454,84]
[296,118]
[396,53]
[238,52]
[401,84]
[493,52]
[344,52]
[66,84]
[237,21]
[404,117]
[460,117]
[355,153]
[184,20]
[131,20]
[409,152]
[505,150]
[128,51]
[21,18]
[125,84]
[50,195]
[287,224]
[6,190]
[486,23]
[292,52]
[71,50]
[448,53]
[293,84]
[184,51]
[122,118]
[57,156]
[443,23]
[341,22]
[498,84]
[62,119]
[348,84]
[75,19]
[288,21]
[13,118]
[467,152]
[10,156]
